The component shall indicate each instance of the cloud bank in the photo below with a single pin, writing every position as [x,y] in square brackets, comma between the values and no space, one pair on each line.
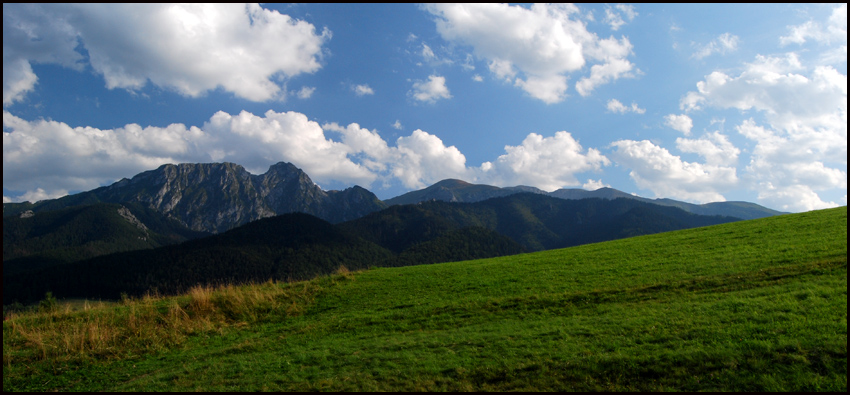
[803,143]
[46,159]
[240,48]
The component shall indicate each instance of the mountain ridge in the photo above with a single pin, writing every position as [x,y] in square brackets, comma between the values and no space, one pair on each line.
[215,197]
[454,190]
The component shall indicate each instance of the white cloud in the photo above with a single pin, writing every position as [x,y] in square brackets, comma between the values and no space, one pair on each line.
[616,106]
[666,175]
[362,90]
[723,44]
[682,123]
[547,163]
[241,48]
[788,168]
[397,125]
[369,148]
[256,142]
[306,92]
[477,78]
[835,31]
[592,185]
[536,48]
[714,147]
[424,160]
[57,157]
[47,158]
[37,195]
[431,90]
[613,18]
[32,35]
[604,73]
[427,53]
[802,146]
[18,79]
[778,87]
[550,89]
[417,160]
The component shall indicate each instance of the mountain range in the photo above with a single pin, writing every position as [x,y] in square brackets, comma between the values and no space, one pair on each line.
[452,190]
[215,197]
[179,225]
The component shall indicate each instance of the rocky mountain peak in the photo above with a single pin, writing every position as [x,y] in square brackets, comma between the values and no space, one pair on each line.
[215,197]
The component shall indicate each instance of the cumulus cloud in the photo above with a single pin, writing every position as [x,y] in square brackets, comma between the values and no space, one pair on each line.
[362,90]
[424,160]
[682,123]
[547,163]
[432,90]
[57,157]
[37,195]
[779,87]
[802,146]
[306,92]
[535,48]
[417,160]
[615,66]
[788,168]
[614,18]
[667,175]
[241,48]
[723,44]
[616,106]
[592,185]
[835,30]
[47,159]
[714,147]
[397,125]
[18,79]
[30,34]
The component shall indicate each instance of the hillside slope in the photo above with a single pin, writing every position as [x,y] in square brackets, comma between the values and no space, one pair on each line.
[757,305]
[288,247]
[31,241]
[537,222]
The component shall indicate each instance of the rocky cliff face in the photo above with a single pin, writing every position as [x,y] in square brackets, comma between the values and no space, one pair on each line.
[215,197]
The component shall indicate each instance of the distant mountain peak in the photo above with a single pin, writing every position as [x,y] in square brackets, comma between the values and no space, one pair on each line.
[451,182]
[215,197]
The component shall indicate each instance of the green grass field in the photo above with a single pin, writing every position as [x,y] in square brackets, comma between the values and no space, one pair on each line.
[757,305]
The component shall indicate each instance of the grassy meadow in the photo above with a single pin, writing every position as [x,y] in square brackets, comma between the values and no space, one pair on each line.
[757,305]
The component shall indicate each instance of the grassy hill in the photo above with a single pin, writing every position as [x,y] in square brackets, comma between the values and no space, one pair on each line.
[757,305]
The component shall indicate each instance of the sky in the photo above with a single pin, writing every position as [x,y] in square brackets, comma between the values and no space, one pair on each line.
[700,103]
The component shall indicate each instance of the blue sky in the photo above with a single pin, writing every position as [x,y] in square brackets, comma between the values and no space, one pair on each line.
[699,103]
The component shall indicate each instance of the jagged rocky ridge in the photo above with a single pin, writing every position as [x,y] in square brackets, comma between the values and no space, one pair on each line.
[215,197]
